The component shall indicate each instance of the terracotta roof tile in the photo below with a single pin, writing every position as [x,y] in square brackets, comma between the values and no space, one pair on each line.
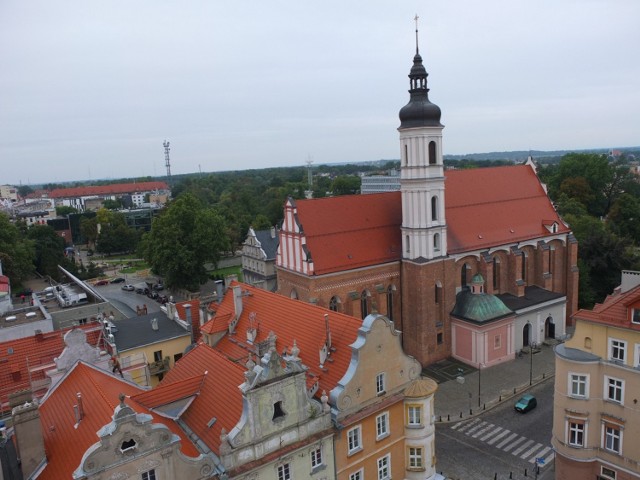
[170,392]
[484,207]
[614,310]
[20,355]
[100,392]
[291,320]
[219,396]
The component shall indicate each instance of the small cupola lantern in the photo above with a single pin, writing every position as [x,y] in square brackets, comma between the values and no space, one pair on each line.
[477,284]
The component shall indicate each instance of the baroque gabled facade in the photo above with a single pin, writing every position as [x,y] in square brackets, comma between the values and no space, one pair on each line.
[407,254]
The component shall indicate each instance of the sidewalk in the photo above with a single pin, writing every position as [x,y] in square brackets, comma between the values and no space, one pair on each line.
[502,382]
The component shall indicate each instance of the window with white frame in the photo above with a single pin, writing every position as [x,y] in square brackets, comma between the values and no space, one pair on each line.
[384,468]
[359,475]
[607,473]
[354,439]
[612,440]
[316,457]
[380,387]
[414,415]
[636,356]
[617,350]
[578,385]
[614,389]
[576,433]
[149,475]
[284,472]
[382,425]
[635,315]
[415,458]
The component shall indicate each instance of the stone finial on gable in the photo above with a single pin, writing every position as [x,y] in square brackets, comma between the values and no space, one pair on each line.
[325,402]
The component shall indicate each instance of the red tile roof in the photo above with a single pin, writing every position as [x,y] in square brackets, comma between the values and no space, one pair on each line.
[218,397]
[20,355]
[496,206]
[352,231]
[290,320]
[166,393]
[119,188]
[615,310]
[100,392]
[484,207]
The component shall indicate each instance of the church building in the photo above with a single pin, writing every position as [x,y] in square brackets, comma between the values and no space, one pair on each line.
[410,254]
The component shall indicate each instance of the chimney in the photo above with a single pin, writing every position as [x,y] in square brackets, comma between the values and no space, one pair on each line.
[219,290]
[273,232]
[328,332]
[29,438]
[80,407]
[154,324]
[189,320]
[237,300]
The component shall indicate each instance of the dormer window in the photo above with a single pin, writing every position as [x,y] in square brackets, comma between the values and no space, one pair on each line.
[278,412]
[635,315]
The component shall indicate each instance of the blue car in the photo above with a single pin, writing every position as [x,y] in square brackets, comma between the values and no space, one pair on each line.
[526,403]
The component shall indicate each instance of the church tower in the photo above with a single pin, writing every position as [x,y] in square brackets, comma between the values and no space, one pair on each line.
[428,274]
[424,227]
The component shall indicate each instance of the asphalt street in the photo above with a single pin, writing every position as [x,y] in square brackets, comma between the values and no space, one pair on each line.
[501,443]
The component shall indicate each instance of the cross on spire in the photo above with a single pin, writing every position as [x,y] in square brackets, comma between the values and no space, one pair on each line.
[416,20]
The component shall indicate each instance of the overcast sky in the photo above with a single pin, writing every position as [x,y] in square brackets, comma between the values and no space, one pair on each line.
[91,89]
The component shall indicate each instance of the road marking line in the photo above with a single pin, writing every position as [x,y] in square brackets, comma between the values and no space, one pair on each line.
[492,432]
[530,451]
[522,447]
[455,427]
[480,432]
[509,438]
[498,437]
[548,458]
[475,427]
[540,454]
[470,424]
[514,443]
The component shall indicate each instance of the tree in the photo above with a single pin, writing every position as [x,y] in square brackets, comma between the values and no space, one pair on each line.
[89,230]
[346,185]
[63,211]
[24,190]
[624,217]
[49,250]
[115,235]
[112,204]
[16,252]
[182,240]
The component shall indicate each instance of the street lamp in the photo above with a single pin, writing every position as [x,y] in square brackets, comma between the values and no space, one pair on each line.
[479,381]
[530,353]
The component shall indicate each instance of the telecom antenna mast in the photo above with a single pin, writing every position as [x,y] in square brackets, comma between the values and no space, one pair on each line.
[309,175]
[166,158]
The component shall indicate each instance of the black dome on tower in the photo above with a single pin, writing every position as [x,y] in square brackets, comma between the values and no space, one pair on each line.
[419,112]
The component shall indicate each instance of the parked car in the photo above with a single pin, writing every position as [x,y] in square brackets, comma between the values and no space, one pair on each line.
[158,286]
[152,295]
[118,280]
[526,403]
[142,290]
[162,299]
[128,288]
[101,282]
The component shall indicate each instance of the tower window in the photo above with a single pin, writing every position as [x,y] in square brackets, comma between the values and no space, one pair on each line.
[278,412]
[463,275]
[408,249]
[434,208]
[436,242]
[406,155]
[364,304]
[432,153]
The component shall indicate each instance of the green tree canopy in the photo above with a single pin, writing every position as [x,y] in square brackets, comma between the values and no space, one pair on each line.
[346,185]
[624,217]
[16,252]
[63,211]
[115,235]
[182,240]
[49,250]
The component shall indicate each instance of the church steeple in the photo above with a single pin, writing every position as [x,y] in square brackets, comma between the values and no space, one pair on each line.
[424,226]
[419,111]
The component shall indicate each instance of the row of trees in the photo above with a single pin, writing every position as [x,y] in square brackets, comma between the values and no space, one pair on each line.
[600,200]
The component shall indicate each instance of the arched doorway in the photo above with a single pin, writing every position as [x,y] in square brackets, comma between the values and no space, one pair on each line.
[526,335]
[549,328]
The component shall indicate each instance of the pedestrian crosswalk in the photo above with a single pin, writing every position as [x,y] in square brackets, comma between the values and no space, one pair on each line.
[505,440]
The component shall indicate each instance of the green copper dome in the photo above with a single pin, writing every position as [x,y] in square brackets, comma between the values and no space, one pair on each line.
[479,307]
